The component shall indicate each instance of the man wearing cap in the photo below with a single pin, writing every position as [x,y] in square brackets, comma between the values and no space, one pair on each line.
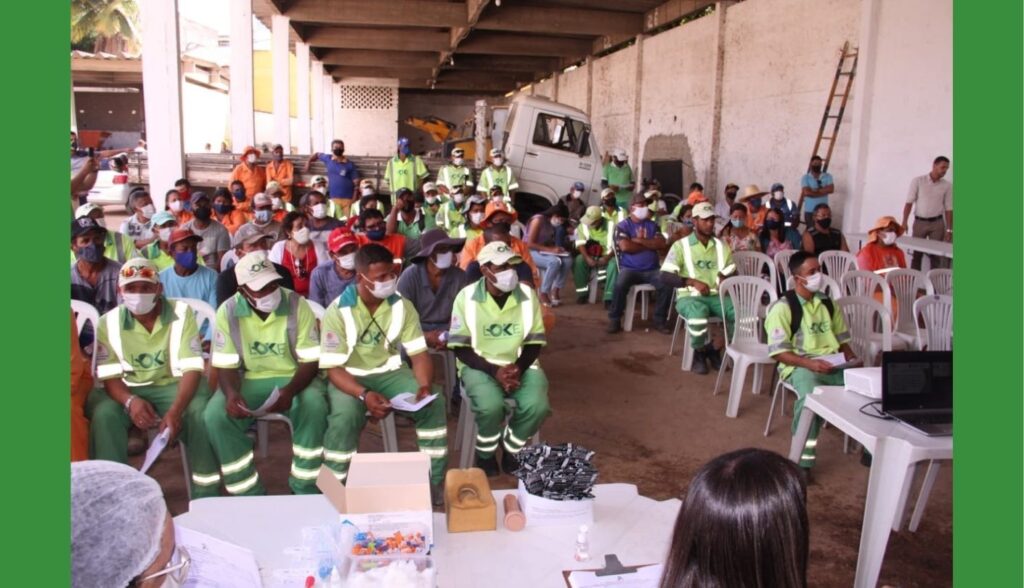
[215,237]
[432,281]
[499,214]
[931,199]
[116,246]
[164,224]
[789,210]
[881,254]
[330,279]
[618,176]
[282,171]
[272,334]
[472,214]
[246,240]
[319,184]
[596,247]
[251,175]
[574,201]
[186,278]
[497,333]
[815,187]
[696,265]
[367,193]
[500,175]
[149,358]
[404,170]
[450,216]
[263,217]
[723,207]
[456,174]
[638,241]
[696,195]
[278,206]
[342,176]
[407,220]
[752,199]
[610,208]
[93,276]
[139,226]
[432,201]
[364,332]
[315,205]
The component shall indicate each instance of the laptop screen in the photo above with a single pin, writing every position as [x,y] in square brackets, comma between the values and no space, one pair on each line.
[917,380]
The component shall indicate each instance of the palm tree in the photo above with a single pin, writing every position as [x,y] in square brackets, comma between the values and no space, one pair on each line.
[106,25]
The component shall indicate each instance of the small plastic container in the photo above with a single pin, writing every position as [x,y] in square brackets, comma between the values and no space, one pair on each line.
[381,572]
[389,541]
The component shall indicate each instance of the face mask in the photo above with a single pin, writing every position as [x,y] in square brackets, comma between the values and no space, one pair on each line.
[139,304]
[576,193]
[347,262]
[816,168]
[411,206]
[175,206]
[203,213]
[382,290]
[239,194]
[642,213]
[148,211]
[319,211]
[164,234]
[91,253]
[338,151]
[888,237]
[771,224]
[476,217]
[301,236]
[499,161]
[608,203]
[777,195]
[405,150]
[431,200]
[504,226]
[269,302]
[262,216]
[102,222]
[188,260]
[222,208]
[730,196]
[755,203]
[322,188]
[375,234]
[813,283]
[556,222]
[444,260]
[688,222]
[736,222]
[276,203]
[457,161]
[459,198]
[619,163]
[367,192]
[251,158]
[506,280]
[825,222]
[278,156]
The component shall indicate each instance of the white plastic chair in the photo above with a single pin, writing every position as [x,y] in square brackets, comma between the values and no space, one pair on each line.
[746,347]
[829,287]
[318,310]
[780,385]
[687,361]
[466,430]
[837,263]
[643,292]
[447,358]
[755,264]
[866,284]
[203,311]
[870,326]
[186,466]
[941,281]
[782,266]
[87,313]
[907,285]
[936,312]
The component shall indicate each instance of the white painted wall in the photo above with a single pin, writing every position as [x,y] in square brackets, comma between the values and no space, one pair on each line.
[206,115]
[366,131]
[572,88]
[614,101]
[545,88]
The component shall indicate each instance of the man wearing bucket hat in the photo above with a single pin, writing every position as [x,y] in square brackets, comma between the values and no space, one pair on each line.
[249,173]
[499,174]
[695,266]
[596,247]
[149,358]
[752,198]
[455,174]
[272,335]
[618,176]
[432,281]
[881,253]
[404,170]
[497,332]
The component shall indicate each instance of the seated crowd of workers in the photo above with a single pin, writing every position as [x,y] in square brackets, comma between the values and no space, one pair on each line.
[328,299]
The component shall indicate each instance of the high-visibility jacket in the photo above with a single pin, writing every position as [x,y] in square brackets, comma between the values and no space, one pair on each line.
[301,336]
[451,175]
[497,334]
[182,337]
[690,259]
[492,176]
[586,233]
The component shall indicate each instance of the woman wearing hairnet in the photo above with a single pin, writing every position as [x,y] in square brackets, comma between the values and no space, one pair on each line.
[121,532]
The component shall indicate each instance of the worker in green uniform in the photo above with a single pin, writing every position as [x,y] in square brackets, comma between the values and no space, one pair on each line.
[404,170]
[618,176]
[497,333]
[363,335]
[499,174]
[596,247]
[455,174]
[802,327]
[696,265]
[450,216]
[610,208]
[266,340]
[431,205]
[149,358]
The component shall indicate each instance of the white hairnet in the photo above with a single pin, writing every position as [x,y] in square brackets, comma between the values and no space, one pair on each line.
[117,520]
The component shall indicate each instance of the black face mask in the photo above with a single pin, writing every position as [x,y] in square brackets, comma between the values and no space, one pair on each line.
[609,203]
[825,222]
[203,213]
[771,224]
[338,151]
[506,226]
[410,207]
[816,168]
[730,195]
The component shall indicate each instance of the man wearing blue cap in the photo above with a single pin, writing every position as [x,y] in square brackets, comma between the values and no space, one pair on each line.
[404,170]
[575,200]
[789,209]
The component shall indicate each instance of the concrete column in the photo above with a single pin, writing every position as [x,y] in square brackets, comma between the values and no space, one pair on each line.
[590,86]
[243,123]
[555,78]
[480,116]
[281,83]
[863,88]
[317,132]
[638,100]
[327,134]
[302,141]
[711,182]
[161,74]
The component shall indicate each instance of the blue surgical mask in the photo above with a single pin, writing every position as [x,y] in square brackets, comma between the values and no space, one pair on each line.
[375,234]
[239,195]
[90,253]
[187,259]
[736,222]
[688,223]
[222,208]
[755,203]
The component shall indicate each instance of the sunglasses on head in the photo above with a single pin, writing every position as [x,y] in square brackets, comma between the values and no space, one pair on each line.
[140,271]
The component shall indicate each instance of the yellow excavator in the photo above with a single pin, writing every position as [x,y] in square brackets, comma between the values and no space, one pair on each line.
[447,134]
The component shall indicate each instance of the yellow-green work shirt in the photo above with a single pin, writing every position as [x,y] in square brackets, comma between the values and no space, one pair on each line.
[690,258]
[600,234]
[451,175]
[503,177]
[405,174]
[819,334]
[495,333]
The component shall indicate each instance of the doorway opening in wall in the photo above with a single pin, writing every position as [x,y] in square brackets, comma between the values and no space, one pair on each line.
[668,172]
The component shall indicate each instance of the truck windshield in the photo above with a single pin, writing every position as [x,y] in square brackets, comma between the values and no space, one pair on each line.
[560,132]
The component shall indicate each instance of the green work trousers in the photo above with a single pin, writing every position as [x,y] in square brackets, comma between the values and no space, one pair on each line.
[696,310]
[108,431]
[804,381]
[487,400]
[308,416]
[348,417]
[581,275]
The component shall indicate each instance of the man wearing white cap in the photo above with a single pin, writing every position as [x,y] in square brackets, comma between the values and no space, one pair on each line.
[272,334]
[618,176]
[454,174]
[404,170]
[263,218]
[498,174]
[149,358]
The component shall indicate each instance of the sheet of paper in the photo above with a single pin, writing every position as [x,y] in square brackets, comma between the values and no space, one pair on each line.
[836,359]
[562,254]
[155,449]
[645,577]
[216,563]
[275,395]
[407,401]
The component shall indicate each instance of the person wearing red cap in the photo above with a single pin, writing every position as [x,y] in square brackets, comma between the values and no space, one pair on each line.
[252,176]
[330,278]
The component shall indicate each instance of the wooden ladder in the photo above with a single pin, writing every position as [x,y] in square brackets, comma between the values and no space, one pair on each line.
[848,55]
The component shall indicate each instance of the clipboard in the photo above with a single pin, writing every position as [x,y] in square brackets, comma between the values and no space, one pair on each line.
[614,573]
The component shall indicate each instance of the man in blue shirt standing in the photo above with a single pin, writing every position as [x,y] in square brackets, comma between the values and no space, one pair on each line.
[637,242]
[342,175]
[815,187]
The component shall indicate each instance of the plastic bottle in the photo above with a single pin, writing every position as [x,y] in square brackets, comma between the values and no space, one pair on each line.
[582,545]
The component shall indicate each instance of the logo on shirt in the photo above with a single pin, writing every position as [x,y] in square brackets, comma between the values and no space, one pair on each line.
[218,340]
[331,341]
[704,264]
[368,339]
[456,323]
[195,345]
[267,349]
[820,328]
[148,361]
[502,330]
[778,334]
[102,353]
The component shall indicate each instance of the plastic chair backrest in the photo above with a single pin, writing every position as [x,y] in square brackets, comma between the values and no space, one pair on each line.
[906,284]
[755,264]
[936,311]
[836,263]
[203,311]
[87,313]
[747,294]
[316,308]
[864,317]
[863,283]
[782,266]
[829,287]
[941,281]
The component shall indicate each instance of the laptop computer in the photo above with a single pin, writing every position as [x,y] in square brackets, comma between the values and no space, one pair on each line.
[917,389]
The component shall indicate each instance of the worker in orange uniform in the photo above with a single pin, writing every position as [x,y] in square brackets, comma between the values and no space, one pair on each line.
[81,384]
[282,171]
[252,176]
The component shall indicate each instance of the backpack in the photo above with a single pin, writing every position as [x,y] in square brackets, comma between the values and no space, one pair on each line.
[796,310]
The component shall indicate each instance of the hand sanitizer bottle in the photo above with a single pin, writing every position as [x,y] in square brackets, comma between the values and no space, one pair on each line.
[582,545]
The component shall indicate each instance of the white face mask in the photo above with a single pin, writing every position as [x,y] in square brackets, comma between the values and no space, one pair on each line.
[576,193]
[506,280]
[276,203]
[164,234]
[175,206]
[642,213]
[476,217]
[888,237]
[301,236]
[499,161]
[382,290]
[444,260]
[347,262]
[320,210]
[777,195]
[431,200]
[367,192]
[270,302]
[459,198]
[457,161]
[148,211]
[251,158]
[139,304]
[556,222]
[813,282]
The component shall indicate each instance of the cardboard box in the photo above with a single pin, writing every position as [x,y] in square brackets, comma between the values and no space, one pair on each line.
[543,511]
[383,491]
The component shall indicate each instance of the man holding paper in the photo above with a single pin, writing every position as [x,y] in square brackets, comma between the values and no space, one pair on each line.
[266,343]
[363,332]
[149,358]
[804,328]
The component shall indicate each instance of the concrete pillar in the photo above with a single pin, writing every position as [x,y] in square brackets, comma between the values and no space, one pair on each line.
[554,92]
[590,86]
[480,118]
[863,88]
[638,100]
[317,133]
[302,140]
[327,133]
[711,181]
[243,123]
[281,83]
[161,76]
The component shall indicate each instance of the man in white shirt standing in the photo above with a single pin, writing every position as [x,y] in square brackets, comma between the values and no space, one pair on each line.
[931,199]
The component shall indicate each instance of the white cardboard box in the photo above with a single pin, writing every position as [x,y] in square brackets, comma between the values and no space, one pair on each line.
[543,511]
